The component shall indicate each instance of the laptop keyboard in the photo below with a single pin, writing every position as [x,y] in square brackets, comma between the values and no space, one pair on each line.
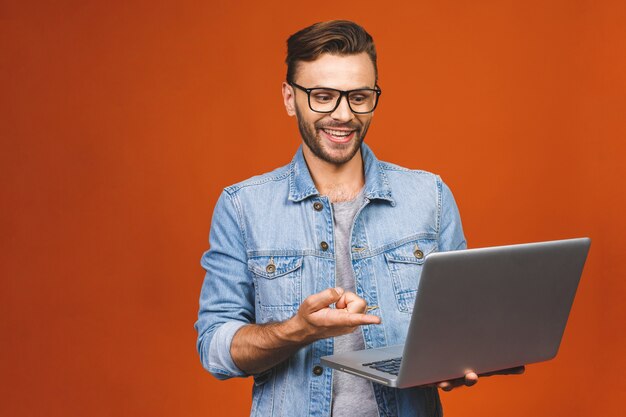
[391,366]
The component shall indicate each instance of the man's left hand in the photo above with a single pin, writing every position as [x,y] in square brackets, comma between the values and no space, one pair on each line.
[471,378]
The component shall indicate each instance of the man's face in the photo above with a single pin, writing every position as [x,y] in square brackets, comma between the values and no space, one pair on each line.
[331,137]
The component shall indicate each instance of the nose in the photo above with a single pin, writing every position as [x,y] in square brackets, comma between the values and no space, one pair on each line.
[342,113]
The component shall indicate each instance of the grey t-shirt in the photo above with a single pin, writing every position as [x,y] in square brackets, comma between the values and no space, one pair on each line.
[352,395]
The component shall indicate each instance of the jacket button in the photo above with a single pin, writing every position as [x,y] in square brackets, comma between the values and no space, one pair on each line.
[418,254]
[318,206]
[324,246]
[318,370]
[271,268]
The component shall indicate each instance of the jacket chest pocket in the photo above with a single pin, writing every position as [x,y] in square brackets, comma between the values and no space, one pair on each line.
[278,283]
[405,267]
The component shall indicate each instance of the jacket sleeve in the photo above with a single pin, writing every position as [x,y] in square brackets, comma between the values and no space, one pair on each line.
[451,235]
[227,295]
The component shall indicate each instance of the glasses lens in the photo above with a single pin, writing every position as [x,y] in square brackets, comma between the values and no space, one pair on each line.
[362,101]
[323,100]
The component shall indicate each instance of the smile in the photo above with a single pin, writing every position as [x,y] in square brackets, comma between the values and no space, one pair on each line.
[338,136]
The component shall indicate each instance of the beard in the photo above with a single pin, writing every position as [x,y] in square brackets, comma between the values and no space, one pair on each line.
[310,135]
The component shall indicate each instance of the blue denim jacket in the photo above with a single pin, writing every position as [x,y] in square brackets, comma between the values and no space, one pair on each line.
[270,248]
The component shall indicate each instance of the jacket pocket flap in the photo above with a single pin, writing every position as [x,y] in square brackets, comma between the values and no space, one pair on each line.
[413,252]
[271,267]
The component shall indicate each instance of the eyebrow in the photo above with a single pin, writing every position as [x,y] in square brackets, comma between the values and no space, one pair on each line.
[338,89]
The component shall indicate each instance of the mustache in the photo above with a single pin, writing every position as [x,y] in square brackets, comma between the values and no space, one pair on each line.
[327,125]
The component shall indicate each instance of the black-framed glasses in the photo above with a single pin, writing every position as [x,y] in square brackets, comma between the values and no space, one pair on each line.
[326,100]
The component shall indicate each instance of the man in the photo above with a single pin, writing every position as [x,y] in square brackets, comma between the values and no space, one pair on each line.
[323,255]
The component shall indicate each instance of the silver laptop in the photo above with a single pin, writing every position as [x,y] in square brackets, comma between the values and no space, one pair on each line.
[479,310]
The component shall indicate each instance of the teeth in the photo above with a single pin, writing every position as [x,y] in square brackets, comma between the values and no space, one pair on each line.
[337,133]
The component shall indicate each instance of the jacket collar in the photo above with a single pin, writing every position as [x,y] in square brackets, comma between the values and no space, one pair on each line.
[301,184]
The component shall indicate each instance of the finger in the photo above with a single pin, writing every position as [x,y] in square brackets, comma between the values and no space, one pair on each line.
[451,384]
[354,303]
[446,386]
[322,299]
[454,383]
[357,319]
[342,303]
[470,379]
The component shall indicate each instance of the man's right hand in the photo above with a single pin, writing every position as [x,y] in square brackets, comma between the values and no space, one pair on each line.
[257,347]
[316,319]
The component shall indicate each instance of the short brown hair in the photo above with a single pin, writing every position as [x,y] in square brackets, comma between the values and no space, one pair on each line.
[340,37]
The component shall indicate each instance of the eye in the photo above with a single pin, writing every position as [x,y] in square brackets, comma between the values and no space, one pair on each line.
[360,97]
[323,96]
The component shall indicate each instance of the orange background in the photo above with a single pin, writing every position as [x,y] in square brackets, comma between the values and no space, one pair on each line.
[122,121]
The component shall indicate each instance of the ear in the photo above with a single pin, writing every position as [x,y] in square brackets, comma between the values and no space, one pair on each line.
[289,99]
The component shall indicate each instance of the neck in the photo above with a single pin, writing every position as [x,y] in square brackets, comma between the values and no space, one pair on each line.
[340,182]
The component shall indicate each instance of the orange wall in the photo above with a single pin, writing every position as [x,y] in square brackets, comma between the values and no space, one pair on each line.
[120,123]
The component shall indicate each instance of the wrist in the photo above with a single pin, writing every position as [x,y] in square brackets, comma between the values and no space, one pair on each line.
[294,331]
